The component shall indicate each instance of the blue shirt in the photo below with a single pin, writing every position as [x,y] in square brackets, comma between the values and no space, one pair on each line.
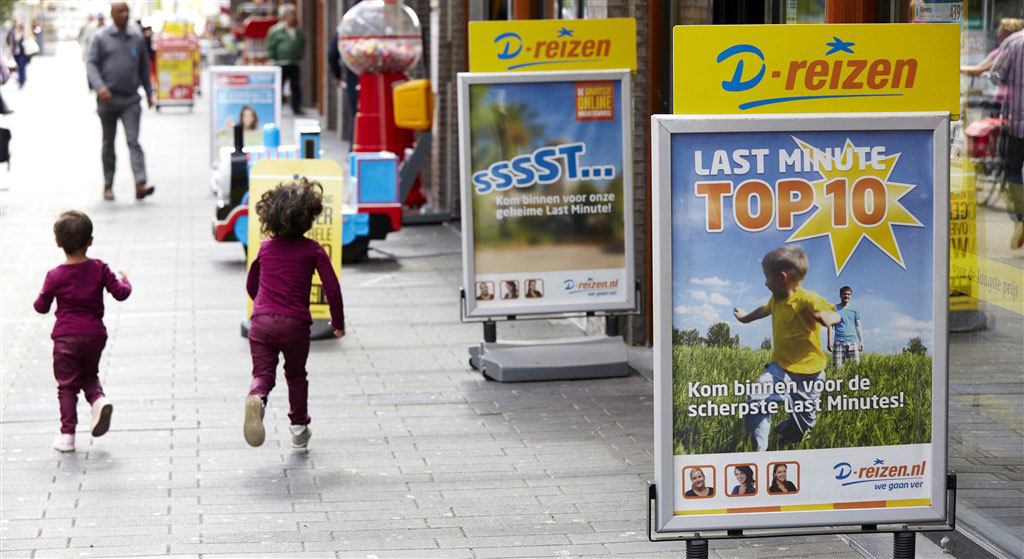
[846,329]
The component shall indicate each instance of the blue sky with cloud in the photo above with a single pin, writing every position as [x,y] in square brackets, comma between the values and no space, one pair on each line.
[712,272]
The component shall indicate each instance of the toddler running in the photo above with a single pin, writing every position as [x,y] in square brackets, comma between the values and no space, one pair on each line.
[279,283]
[797,317]
[78,334]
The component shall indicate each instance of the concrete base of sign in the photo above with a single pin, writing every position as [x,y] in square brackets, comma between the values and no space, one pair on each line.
[967,321]
[319,330]
[567,359]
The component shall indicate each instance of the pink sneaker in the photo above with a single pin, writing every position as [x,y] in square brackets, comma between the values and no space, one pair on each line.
[102,409]
[64,442]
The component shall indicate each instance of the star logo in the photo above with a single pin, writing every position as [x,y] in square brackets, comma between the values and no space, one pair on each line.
[563,32]
[839,45]
[855,200]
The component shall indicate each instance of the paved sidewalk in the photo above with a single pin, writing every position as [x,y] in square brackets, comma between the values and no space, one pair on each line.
[413,454]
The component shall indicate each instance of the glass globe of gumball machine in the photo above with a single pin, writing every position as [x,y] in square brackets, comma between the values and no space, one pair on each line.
[380,40]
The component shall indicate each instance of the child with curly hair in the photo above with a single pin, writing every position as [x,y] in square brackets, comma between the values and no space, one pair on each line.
[279,284]
[79,334]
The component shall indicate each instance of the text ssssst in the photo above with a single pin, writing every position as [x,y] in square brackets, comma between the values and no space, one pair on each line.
[543,166]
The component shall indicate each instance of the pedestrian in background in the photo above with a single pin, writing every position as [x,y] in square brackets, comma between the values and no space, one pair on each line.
[79,334]
[88,33]
[23,47]
[286,45]
[1009,68]
[117,66]
[279,282]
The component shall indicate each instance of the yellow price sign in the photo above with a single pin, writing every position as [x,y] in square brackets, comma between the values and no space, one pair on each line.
[266,175]
[552,44]
[762,69]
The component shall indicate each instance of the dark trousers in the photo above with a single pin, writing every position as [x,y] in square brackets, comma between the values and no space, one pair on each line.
[290,74]
[76,366]
[22,62]
[130,115]
[269,335]
[1012,152]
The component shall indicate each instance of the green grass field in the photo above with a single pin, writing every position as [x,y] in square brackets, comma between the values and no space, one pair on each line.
[889,375]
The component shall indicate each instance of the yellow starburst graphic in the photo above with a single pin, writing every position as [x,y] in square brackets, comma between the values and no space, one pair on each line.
[855,201]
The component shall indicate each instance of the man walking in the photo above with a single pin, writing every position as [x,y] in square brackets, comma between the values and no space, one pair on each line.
[117,65]
[847,340]
[285,47]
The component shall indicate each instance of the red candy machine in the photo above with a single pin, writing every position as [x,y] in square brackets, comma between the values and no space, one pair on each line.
[380,40]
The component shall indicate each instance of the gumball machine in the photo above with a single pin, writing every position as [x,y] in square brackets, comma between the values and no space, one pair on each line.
[380,40]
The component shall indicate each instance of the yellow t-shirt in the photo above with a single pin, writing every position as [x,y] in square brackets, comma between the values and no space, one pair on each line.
[796,335]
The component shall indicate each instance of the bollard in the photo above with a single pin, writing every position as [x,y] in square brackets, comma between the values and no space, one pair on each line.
[903,545]
[696,549]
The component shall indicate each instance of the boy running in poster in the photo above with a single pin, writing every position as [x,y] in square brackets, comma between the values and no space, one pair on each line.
[846,340]
[797,317]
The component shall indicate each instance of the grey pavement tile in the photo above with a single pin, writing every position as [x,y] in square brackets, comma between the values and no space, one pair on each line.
[550,527]
[412,554]
[285,555]
[505,541]
[23,544]
[540,551]
[373,544]
[255,548]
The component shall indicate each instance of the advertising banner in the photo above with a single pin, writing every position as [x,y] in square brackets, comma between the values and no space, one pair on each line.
[826,68]
[250,95]
[552,44]
[547,187]
[175,70]
[266,175]
[801,267]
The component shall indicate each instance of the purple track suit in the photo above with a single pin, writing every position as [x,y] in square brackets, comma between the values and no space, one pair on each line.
[78,335]
[279,282]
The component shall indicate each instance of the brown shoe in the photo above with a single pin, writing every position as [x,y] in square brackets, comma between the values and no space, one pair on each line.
[108,194]
[141,190]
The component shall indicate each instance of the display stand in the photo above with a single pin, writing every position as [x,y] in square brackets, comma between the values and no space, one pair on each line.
[967,321]
[903,534]
[586,357]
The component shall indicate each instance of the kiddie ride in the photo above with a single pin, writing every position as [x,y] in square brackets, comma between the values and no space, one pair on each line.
[376,183]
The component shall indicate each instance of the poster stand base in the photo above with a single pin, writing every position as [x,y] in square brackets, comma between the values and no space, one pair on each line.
[566,359]
[319,330]
[967,321]
[903,534]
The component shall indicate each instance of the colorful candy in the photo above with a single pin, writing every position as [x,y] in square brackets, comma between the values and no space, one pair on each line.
[377,55]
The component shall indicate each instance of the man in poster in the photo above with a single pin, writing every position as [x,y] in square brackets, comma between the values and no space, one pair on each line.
[846,339]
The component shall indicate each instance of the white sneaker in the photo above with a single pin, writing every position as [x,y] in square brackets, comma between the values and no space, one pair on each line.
[64,442]
[102,409]
[300,435]
[253,428]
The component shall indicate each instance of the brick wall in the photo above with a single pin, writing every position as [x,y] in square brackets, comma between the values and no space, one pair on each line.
[634,327]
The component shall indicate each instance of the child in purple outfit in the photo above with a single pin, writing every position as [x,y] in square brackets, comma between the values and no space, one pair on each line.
[279,283]
[79,335]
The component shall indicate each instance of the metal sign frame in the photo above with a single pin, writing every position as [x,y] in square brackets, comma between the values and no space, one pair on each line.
[465,80]
[220,70]
[662,129]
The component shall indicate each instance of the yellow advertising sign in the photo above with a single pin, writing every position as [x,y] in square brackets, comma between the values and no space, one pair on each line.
[761,69]
[531,45]
[266,175]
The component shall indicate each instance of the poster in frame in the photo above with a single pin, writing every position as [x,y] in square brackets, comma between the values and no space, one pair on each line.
[546,172]
[865,439]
